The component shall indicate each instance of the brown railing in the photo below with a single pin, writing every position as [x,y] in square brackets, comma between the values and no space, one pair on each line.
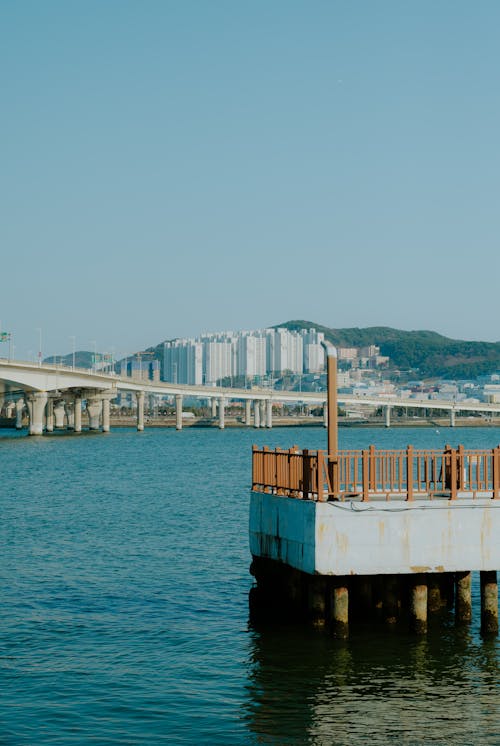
[375,473]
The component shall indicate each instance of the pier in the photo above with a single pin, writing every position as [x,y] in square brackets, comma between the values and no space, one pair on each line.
[338,534]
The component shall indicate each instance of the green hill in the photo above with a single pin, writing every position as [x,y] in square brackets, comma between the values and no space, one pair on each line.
[431,353]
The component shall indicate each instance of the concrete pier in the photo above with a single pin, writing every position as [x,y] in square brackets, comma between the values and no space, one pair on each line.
[105,414]
[140,410]
[59,414]
[256,413]
[19,413]
[248,412]
[269,413]
[77,414]
[393,550]
[94,410]
[49,415]
[222,412]
[37,402]
[178,411]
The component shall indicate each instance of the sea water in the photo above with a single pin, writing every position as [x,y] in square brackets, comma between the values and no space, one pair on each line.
[124,613]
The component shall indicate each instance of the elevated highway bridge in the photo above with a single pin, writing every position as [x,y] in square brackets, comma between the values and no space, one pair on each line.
[56,393]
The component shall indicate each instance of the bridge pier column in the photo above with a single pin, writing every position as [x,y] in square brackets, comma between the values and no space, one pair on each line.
[325,415]
[36,405]
[140,410]
[256,413]
[248,412]
[262,405]
[387,416]
[49,414]
[214,407]
[94,410]
[77,416]
[222,407]
[269,413]
[69,409]
[106,413]
[59,414]
[19,413]
[452,418]
[178,411]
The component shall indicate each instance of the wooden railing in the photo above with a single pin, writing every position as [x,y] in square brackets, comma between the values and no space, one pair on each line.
[375,473]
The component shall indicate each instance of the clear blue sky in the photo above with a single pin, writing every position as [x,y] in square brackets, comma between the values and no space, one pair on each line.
[172,167]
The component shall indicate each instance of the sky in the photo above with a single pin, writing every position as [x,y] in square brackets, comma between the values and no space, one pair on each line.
[172,167]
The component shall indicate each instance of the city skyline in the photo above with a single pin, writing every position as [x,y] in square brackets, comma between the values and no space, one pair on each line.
[176,167]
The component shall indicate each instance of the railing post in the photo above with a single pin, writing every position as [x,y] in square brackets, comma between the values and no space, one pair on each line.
[373,469]
[365,468]
[306,474]
[409,473]
[453,474]
[461,468]
[495,455]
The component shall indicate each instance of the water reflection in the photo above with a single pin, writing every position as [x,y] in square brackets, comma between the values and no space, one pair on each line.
[377,687]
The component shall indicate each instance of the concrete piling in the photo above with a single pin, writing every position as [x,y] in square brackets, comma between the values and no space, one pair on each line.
[489,602]
[418,605]
[339,609]
[463,597]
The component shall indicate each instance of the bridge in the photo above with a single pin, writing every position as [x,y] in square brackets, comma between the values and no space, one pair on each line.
[54,395]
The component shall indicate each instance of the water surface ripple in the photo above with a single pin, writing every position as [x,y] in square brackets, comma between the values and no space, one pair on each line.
[124,608]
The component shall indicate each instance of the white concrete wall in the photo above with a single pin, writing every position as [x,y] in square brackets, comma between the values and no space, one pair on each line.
[378,537]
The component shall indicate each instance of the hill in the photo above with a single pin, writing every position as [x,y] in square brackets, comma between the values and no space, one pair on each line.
[432,354]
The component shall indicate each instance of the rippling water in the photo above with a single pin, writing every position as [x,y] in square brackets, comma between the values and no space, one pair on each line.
[124,608]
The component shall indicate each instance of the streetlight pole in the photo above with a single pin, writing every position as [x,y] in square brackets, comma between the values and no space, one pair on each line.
[38,329]
[73,349]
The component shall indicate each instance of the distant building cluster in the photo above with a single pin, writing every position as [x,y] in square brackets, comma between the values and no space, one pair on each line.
[210,358]
[363,357]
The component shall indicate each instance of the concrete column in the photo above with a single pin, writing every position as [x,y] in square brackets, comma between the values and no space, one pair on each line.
[77,415]
[59,414]
[178,411]
[269,413]
[489,602]
[140,410]
[325,415]
[339,606]
[316,597]
[256,413]
[418,605]
[214,407]
[49,411]
[106,406]
[434,597]
[222,405]
[69,408]
[463,597]
[36,405]
[262,405]
[94,409]
[248,412]
[387,416]
[19,413]
[452,418]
